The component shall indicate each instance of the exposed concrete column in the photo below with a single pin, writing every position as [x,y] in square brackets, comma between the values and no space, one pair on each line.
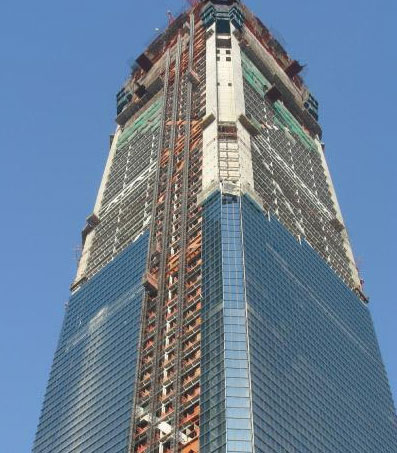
[109,162]
[85,254]
[345,236]
[210,133]
[243,136]
[225,86]
[226,161]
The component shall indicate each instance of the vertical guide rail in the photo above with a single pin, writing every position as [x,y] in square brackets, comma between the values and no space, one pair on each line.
[183,242]
[151,247]
[164,248]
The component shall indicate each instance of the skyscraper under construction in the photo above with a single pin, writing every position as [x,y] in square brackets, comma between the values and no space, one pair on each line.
[217,306]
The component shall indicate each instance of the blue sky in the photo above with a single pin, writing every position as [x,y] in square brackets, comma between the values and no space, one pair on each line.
[61,65]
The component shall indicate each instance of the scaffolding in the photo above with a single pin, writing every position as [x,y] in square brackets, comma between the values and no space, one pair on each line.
[166,409]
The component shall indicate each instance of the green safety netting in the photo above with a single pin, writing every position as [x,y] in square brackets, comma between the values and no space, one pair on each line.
[284,118]
[149,120]
[253,76]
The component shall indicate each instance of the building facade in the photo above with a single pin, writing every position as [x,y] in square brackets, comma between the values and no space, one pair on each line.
[217,305]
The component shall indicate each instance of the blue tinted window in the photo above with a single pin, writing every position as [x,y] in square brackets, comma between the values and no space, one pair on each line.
[318,382]
[88,402]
